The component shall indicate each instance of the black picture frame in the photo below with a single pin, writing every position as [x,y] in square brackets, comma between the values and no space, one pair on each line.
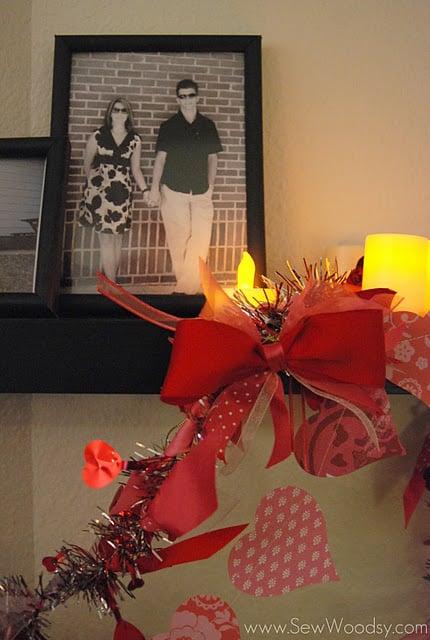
[66,46]
[41,300]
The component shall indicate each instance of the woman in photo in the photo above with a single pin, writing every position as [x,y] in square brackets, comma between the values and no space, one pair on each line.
[111,159]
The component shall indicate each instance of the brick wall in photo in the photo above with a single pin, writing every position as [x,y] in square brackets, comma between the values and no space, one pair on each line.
[148,81]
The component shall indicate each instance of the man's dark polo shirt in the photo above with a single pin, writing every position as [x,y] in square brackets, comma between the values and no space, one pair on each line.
[187,147]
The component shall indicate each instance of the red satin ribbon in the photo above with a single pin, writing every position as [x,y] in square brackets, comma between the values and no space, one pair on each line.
[324,349]
[188,495]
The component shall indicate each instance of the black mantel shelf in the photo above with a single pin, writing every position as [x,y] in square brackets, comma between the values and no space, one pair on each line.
[114,355]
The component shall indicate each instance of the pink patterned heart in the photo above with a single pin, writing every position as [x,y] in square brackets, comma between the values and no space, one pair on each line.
[205,617]
[288,548]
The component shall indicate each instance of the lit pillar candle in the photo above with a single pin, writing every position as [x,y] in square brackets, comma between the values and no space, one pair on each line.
[398,262]
[427,309]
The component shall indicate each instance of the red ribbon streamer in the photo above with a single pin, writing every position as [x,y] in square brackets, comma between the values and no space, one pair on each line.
[188,495]
[199,547]
[133,304]
[126,631]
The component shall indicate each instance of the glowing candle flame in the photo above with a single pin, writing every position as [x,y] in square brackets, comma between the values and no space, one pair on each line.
[246,272]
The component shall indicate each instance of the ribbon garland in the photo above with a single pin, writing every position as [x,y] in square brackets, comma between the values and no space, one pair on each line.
[219,355]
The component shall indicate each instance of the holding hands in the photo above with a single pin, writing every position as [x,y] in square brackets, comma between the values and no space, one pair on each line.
[153,197]
[146,196]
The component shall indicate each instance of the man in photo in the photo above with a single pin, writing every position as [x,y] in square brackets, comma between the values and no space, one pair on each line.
[183,182]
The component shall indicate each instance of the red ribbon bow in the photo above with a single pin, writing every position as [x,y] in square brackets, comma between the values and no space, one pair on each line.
[332,352]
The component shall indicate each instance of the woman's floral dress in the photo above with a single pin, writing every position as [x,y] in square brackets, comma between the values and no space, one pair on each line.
[106,204]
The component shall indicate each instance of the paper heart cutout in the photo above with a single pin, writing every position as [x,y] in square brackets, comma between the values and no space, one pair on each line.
[334,442]
[206,617]
[409,358]
[288,548]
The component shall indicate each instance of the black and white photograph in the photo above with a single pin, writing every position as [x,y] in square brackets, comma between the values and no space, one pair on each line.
[161,162]
[21,188]
[32,172]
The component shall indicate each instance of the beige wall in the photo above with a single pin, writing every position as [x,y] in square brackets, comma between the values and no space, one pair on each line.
[346,152]
[15,68]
